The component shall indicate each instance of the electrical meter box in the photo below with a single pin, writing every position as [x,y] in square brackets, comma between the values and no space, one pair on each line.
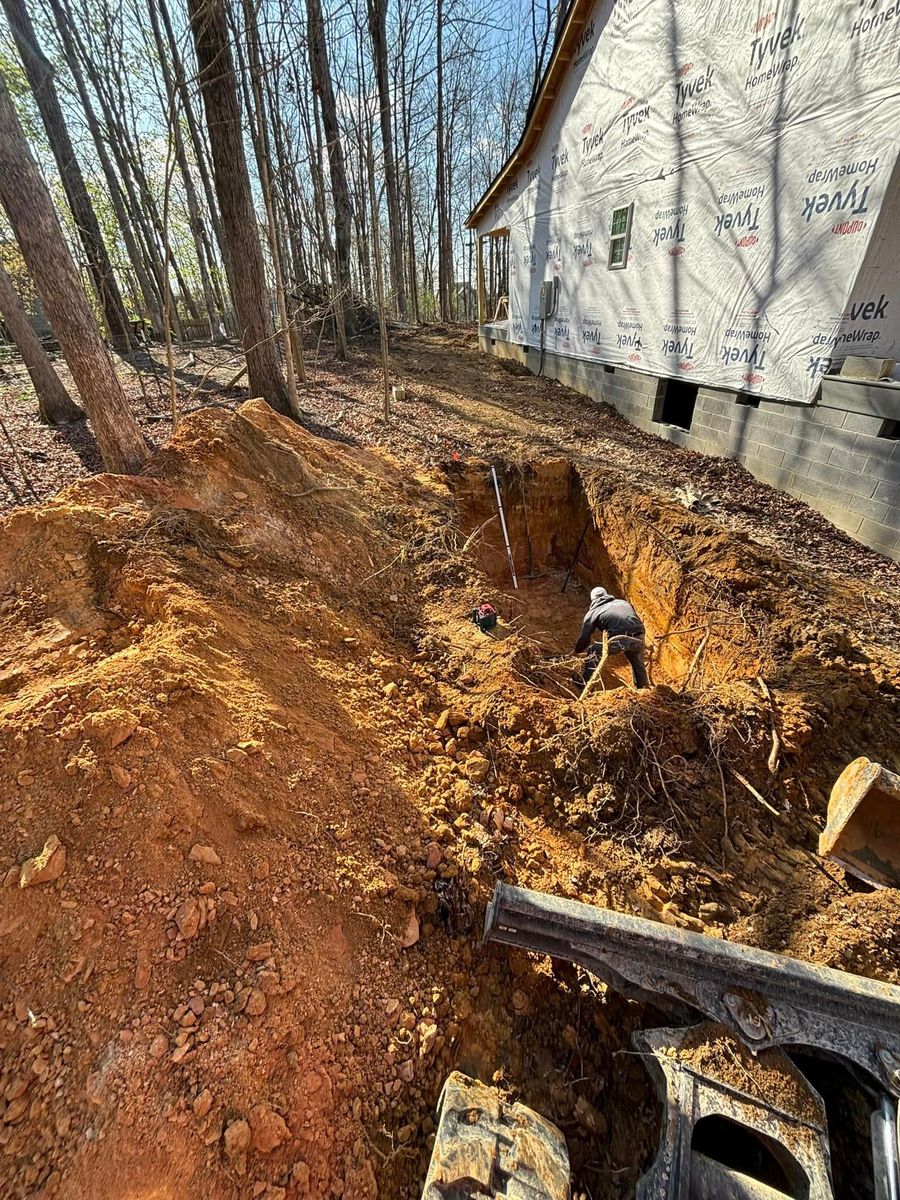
[549,293]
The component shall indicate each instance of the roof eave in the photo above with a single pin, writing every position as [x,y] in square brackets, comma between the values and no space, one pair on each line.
[579,11]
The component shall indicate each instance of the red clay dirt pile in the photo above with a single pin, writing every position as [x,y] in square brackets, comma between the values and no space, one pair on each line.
[260,773]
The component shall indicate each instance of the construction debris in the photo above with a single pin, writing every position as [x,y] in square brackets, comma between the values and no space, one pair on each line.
[488,1149]
[863,830]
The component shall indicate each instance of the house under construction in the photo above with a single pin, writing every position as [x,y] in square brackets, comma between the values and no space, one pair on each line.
[701,226]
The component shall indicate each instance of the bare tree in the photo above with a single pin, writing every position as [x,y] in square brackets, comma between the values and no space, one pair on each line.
[55,404]
[29,208]
[232,180]
[40,77]
[323,88]
[377,11]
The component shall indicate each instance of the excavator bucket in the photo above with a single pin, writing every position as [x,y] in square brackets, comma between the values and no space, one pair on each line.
[863,830]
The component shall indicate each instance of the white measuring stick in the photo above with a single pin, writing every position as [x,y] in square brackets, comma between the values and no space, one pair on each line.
[512,569]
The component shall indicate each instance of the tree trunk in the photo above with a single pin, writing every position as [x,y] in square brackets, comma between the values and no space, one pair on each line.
[442,197]
[200,151]
[377,10]
[37,230]
[324,89]
[152,307]
[40,77]
[195,217]
[263,158]
[223,120]
[54,402]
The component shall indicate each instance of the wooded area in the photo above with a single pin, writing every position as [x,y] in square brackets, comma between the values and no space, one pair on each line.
[253,170]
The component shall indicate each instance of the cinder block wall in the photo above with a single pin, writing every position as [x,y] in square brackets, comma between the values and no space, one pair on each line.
[830,454]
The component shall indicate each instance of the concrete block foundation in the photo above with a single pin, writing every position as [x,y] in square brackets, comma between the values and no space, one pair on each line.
[841,455]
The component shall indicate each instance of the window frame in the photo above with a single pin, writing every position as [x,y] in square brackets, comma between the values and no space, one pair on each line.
[624,237]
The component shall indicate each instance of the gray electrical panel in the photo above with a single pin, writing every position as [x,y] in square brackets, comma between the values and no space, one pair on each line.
[549,293]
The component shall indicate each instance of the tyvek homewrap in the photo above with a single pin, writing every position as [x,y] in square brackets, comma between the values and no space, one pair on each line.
[757,147]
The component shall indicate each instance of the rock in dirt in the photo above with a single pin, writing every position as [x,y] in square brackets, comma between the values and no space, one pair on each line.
[411,931]
[476,768]
[46,866]
[256,1003]
[111,726]
[589,1118]
[204,854]
[237,1143]
[202,1104]
[260,952]
[187,918]
[268,1129]
[120,776]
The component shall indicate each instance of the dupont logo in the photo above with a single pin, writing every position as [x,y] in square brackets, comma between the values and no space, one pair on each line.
[675,251]
[745,243]
[763,22]
[845,227]
[634,358]
[753,378]
[588,128]
[685,366]
[684,69]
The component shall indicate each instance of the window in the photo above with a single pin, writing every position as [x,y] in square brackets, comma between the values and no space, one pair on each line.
[890,429]
[747,401]
[675,403]
[620,237]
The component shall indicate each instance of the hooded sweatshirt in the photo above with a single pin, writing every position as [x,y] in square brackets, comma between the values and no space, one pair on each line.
[617,617]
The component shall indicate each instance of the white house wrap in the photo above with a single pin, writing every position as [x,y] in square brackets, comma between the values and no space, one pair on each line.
[758,146]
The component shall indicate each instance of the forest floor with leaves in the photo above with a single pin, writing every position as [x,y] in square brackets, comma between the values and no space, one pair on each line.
[457,401]
[276,772]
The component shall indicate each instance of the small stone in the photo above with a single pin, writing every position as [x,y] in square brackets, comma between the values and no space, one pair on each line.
[120,776]
[300,1176]
[46,866]
[589,1118]
[159,1046]
[197,1005]
[204,854]
[187,918]
[236,755]
[112,726]
[181,1052]
[435,854]
[260,951]
[16,1111]
[142,974]
[411,931]
[268,1130]
[25,778]
[476,768]
[202,1104]
[18,1087]
[261,870]
[237,1143]
[520,1001]
[391,691]
[256,1003]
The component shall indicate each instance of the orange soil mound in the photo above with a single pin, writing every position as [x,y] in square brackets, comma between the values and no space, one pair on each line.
[242,692]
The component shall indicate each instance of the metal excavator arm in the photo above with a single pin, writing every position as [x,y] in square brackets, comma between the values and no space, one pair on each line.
[766,999]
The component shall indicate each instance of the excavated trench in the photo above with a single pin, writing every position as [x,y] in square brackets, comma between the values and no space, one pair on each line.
[563,542]
[548,1032]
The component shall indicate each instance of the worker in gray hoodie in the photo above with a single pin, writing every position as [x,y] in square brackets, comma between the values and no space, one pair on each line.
[623,627]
